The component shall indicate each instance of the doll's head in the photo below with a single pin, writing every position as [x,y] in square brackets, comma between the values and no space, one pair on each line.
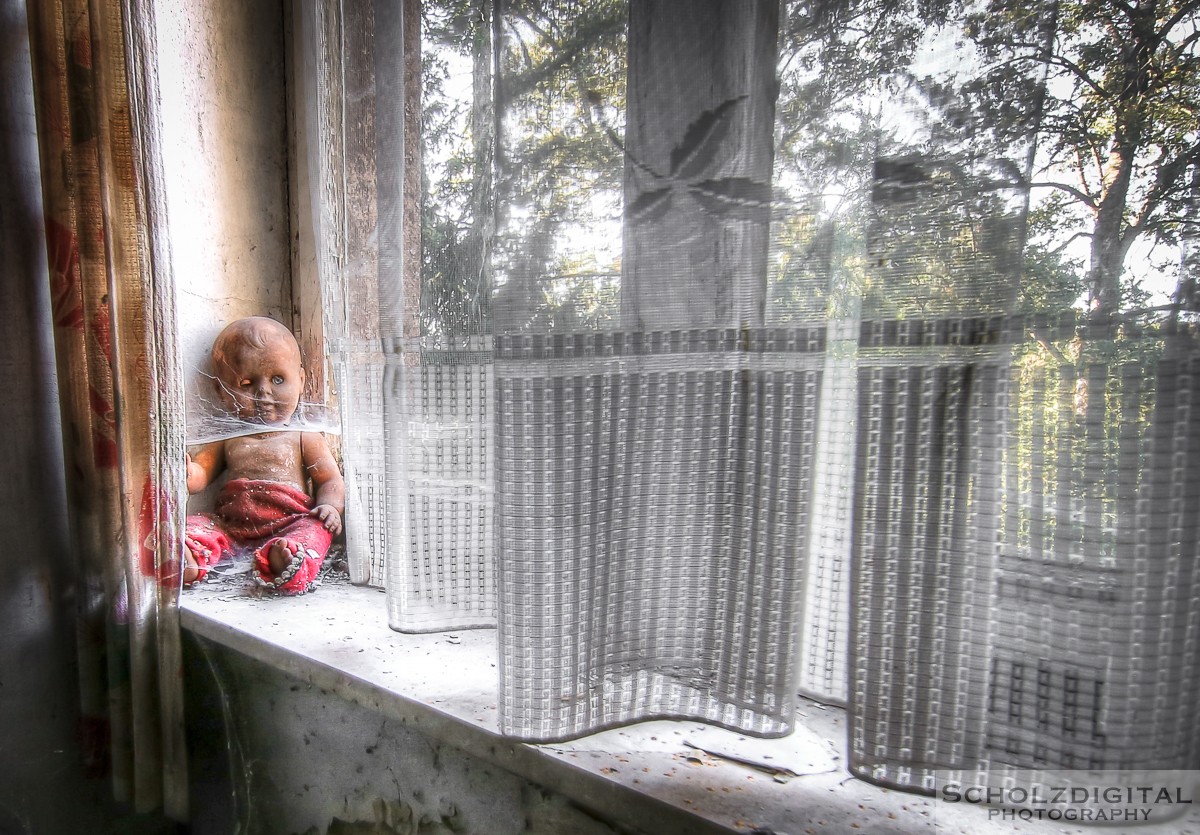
[258,371]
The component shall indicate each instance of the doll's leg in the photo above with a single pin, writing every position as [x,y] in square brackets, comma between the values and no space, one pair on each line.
[206,545]
[289,563]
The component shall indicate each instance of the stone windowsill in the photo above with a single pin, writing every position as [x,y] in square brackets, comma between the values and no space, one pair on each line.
[661,776]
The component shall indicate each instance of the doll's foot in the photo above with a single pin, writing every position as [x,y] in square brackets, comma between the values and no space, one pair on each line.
[280,556]
[284,566]
[193,571]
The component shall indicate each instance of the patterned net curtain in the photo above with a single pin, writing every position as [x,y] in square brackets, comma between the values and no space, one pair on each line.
[1023,592]
[654,436]
[410,357]
[576,450]
[119,381]
[762,349]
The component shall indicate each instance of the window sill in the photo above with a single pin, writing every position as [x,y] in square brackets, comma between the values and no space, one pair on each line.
[662,776]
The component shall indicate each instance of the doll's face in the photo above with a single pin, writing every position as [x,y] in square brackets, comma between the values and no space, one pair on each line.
[260,380]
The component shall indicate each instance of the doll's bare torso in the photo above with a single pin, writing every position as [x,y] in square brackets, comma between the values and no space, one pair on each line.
[270,456]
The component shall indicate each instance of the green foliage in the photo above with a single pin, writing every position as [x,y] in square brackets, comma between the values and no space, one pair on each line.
[1089,106]
[1021,118]
[563,92]
[456,153]
[552,175]
[1112,93]
[924,224]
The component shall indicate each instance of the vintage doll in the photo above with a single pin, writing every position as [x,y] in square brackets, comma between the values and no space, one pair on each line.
[266,503]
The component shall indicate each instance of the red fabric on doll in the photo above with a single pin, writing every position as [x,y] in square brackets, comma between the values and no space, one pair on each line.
[247,511]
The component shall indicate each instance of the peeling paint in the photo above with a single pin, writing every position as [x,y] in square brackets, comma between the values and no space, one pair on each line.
[395,817]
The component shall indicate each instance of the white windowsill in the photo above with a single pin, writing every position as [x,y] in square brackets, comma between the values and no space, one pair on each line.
[643,776]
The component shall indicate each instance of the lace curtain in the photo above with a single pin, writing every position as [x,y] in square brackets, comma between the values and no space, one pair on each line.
[1023,561]
[777,348]
[120,386]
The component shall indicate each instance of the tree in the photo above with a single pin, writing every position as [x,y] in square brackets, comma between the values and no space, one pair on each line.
[523,157]
[898,217]
[1090,105]
[563,90]
[1112,91]
[459,131]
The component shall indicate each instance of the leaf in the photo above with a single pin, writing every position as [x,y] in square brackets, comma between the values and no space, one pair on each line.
[737,198]
[650,205]
[620,146]
[702,140]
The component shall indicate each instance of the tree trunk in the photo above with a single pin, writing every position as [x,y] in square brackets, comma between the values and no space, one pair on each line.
[699,153]
[1111,236]
[483,146]
[1109,244]
[413,192]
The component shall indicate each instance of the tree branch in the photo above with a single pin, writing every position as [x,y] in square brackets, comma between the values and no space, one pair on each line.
[1180,47]
[1077,71]
[1039,56]
[1129,315]
[530,23]
[565,50]
[524,48]
[1168,171]
[1049,348]
[1185,10]
[1085,199]
[1058,250]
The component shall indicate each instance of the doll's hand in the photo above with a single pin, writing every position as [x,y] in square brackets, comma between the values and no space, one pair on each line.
[196,477]
[330,518]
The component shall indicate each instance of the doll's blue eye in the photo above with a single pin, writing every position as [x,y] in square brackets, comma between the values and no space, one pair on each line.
[277,380]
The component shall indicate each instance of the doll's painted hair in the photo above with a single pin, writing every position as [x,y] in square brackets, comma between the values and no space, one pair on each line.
[253,332]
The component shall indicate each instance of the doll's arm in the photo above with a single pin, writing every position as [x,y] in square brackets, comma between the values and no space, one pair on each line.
[205,465]
[329,489]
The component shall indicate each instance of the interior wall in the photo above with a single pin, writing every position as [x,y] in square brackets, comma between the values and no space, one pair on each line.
[224,123]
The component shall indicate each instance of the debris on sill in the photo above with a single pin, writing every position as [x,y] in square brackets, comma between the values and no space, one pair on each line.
[798,754]
[231,579]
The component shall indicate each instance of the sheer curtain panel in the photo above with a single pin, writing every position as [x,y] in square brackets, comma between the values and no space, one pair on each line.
[732,349]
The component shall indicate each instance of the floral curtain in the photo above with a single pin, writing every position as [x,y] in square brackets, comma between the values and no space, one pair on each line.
[119,380]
